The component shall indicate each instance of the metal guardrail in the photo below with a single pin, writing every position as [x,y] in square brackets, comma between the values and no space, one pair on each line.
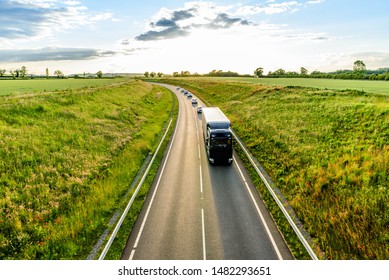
[299,234]
[124,214]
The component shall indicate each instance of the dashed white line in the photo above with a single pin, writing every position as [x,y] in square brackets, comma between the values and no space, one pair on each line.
[201,182]
[203,232]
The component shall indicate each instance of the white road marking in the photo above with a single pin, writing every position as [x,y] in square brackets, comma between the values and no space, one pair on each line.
[259,213]
[201,182]
[155,191]
[201,188]
[203,232]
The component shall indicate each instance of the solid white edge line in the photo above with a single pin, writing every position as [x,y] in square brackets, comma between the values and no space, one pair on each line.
[124,214]
[260,213]
[155,191]
[279,203]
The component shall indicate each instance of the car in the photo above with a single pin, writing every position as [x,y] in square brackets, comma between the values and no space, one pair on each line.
[194,101]
[186,92]
[199,110]
[178,88]
[182,90]
[189,95]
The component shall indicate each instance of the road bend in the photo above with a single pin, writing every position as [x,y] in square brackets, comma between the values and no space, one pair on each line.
[195,211]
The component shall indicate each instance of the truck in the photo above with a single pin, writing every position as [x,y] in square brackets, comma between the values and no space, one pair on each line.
[217,136]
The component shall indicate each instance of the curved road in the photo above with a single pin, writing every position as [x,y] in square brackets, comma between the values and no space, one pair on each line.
[198,211]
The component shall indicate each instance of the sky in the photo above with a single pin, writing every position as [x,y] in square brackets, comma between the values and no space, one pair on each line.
[120,36]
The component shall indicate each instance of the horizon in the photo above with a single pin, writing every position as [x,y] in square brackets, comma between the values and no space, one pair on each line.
[195,36]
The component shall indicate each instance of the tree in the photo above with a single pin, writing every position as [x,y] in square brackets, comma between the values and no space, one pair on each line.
[23,71]
[152,74]
[147,74]
[99,74]
[58,73]
[185,73]
[2,72]
[359,66]
[303,71]
[47,73]
[258,72]
[176,74]
[159,74]
[280,72]
[12,73]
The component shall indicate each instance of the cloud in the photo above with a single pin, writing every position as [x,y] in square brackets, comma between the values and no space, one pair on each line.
[169,24]
[269,8]
[26,19]
[53,54]
[168,33]
[315,2]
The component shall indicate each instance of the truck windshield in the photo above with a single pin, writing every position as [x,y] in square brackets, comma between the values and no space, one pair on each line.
[221,125]
[220,143]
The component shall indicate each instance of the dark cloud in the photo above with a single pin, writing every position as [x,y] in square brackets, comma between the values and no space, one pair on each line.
[168,33]
[52,54]
[183,14]
[223,21]
[164,23]
[169,27]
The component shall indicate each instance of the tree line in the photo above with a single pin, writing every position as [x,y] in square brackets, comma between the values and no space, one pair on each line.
[22,73]
[359,72]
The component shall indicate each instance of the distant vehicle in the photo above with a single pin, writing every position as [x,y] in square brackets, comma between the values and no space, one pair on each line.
[199,110]
[182,90]
[217,136]
[177,88]
[189,95]
[194,101]
[186,92]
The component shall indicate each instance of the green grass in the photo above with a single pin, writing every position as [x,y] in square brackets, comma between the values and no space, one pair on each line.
[381,87]
[326,150]
[14,87]
[66,159]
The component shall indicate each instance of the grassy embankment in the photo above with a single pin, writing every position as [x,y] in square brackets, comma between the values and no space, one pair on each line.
[65,161]
[327,151]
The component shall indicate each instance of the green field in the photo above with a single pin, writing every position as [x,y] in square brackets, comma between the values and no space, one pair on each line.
[381,87]
[326,150]
[66,160]
[14,87]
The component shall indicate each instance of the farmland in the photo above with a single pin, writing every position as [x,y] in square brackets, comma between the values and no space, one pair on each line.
[360,85]
[15,87]
[326,150]
[66,158]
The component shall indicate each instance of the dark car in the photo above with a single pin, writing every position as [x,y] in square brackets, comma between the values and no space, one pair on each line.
[199,110]
[194,101]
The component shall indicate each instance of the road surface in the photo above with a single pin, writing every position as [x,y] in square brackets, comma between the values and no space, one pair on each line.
[196,211]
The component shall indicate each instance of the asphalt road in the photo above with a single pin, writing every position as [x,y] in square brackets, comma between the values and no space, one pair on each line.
[196,211]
